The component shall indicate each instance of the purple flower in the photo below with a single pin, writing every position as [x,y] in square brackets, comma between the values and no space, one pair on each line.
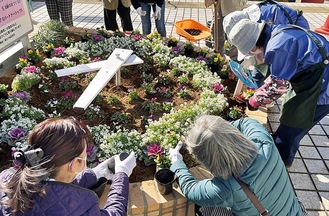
[16,133]
[201,58]
[97,37]
[23,96]
[177,49]
[151,117]
[217,87]
[155,150]
[91,152]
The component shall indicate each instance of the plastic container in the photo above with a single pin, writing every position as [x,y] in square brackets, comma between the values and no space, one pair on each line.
[192,24]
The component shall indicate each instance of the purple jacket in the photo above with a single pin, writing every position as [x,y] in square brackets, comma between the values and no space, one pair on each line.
[74,199]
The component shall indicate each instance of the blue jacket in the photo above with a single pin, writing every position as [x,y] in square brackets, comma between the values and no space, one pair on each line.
[74,199]
[266,176]
[273,14]
[291,52]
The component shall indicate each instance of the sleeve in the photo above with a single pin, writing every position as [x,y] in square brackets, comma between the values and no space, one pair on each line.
[253,130]
[207,192]
[117,199]
[135,3]
[272,89]
[87,179]
[159,2]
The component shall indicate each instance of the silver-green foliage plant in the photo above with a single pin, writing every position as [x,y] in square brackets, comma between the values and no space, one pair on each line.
[25,81]
[52,32]
[17,114]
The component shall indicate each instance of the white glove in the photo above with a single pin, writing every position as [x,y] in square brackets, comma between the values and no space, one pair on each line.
[127,165]
[157,12]
[102,170]
[174,154]
[140,12]
[248,61]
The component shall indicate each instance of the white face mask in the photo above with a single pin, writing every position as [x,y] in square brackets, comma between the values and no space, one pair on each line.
[259,55]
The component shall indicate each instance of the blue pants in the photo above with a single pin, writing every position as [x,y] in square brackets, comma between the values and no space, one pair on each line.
[288,138]
[146,20]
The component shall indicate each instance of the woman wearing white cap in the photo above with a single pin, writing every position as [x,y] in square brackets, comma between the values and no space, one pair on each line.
[273,13]
[298,63]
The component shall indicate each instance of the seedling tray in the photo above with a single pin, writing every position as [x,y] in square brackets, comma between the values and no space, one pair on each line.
[192,24]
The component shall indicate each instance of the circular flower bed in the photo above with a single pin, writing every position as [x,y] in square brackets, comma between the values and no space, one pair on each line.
[153,107]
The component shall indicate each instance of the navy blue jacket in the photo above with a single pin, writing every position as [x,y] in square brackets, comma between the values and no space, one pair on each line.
[74,199]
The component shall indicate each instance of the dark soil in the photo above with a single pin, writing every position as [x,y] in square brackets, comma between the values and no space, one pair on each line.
[194,32]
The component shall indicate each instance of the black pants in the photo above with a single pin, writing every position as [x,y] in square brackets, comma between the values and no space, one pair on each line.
[110,18]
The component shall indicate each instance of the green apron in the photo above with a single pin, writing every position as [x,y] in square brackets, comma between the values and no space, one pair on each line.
[300,102]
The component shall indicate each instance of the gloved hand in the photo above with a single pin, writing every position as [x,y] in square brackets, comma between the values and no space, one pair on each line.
[102,170]
[140,12]
[174,154]
[252,104]
[127,165]
[157,12]
[248,61]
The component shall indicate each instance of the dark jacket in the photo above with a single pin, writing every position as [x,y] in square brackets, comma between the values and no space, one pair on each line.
[74,199]
[136,3]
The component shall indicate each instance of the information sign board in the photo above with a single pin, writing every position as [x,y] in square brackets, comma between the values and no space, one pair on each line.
[15,22]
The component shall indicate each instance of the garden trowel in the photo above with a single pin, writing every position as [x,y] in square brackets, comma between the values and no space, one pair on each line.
[243,74]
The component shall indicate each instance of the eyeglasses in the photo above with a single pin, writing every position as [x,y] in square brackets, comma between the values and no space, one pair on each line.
[79,158]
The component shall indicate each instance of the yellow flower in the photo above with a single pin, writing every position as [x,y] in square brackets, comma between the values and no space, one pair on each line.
[158,157]
[30,52]
[37,52]
[117,30]
[216,59]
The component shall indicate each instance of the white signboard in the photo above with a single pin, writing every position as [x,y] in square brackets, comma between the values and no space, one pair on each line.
[15,22]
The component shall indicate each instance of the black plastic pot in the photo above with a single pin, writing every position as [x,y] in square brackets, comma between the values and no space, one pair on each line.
[165,179]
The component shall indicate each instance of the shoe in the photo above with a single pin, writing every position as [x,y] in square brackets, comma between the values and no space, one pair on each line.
[127,33]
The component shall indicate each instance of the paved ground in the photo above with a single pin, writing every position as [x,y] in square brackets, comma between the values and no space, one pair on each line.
[310,171]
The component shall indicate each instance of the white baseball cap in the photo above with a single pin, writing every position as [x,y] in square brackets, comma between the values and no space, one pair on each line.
[244,36]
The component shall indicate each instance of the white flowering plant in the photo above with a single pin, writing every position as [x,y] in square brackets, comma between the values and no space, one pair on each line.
[157,102]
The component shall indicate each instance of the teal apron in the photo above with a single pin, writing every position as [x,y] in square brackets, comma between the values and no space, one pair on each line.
[300,102]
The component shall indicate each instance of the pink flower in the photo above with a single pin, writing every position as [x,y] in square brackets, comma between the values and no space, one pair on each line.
[68,94]
[153,100]
[155,150]
[138,37]
[59,50]
[31,69]
[217,87]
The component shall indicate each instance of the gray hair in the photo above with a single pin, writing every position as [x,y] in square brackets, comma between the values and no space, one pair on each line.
[220,147]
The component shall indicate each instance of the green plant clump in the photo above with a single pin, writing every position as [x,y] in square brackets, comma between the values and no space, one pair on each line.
[52,32]
[25,81]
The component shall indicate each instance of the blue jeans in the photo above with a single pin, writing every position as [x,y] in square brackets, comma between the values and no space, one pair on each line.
[146,20]
[288,138]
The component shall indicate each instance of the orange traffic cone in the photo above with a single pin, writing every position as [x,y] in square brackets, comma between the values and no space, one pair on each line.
[325,28]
